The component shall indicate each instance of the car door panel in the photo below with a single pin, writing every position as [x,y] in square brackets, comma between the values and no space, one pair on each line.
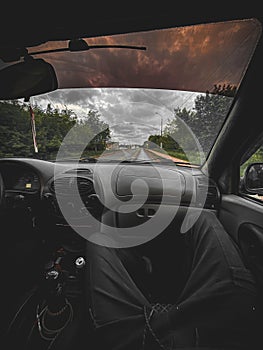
[236,210]
[242,217]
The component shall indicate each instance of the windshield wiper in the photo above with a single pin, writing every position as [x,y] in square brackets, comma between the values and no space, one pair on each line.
[77,160]
[81,45]
[88,160]
[188,164]
[135,161]
[159,161]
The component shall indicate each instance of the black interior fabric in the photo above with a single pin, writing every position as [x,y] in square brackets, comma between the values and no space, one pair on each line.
[220,295]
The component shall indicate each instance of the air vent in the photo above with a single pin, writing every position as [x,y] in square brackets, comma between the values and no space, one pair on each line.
[207,193]
[83,171]
[68,185]
[85,186]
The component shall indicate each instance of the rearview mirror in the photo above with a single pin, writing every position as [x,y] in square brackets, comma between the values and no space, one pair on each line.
[28,78]
[253,179]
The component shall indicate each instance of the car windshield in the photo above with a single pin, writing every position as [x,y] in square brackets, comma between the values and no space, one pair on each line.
[152,96]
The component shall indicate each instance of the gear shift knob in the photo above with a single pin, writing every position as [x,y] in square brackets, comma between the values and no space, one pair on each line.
[54,287]
[80,262]
[52,275]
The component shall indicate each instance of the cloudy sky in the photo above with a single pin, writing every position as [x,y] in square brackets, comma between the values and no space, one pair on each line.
[133,114]
[185,59]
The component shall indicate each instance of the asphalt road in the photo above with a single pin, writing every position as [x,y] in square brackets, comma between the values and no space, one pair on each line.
[139,154]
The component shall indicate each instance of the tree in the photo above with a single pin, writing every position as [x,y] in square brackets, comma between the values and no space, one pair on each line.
[52,126]
[154,141]
[15,130]
[202,124]
[89,133]
[168,143]
[99,131]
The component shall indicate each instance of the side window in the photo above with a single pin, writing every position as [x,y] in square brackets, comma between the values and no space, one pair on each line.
[251,176]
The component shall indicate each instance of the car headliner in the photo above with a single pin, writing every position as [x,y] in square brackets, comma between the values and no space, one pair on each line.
[20,27]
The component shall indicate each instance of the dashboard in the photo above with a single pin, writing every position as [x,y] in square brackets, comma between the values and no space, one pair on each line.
[20,179]
[41,186]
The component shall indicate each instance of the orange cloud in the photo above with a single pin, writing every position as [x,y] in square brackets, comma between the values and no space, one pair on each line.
[190,58]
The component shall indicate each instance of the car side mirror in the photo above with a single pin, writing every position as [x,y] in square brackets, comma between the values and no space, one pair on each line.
[253,179]
[28,78]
